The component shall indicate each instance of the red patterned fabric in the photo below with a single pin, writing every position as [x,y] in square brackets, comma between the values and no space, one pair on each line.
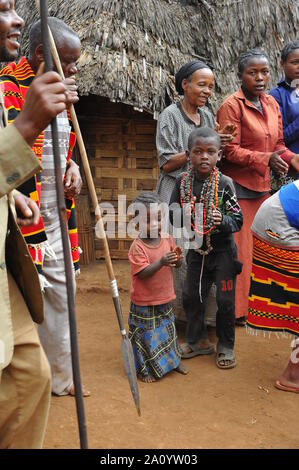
[244,243]
[274,292]
[15,79]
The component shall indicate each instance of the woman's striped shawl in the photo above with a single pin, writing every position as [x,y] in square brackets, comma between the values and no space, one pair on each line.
[15,79]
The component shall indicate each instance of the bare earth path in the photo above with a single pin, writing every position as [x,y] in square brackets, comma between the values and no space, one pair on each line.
[208,408]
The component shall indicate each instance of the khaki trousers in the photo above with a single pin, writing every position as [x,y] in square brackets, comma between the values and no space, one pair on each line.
[25,384]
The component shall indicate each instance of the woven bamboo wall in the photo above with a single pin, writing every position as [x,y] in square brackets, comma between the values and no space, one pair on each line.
[121,149]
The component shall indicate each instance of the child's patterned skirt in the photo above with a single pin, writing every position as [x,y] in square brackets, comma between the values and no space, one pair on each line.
[154,339]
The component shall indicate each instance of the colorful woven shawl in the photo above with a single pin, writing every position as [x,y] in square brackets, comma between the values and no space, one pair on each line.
[15,79]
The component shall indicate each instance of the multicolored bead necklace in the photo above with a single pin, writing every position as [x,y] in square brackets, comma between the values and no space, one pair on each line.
[208,197]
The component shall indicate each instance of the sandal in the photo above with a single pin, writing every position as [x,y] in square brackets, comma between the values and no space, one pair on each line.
[225,354]
[197,349]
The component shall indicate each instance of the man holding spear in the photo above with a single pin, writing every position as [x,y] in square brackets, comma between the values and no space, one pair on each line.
[24,370]
[44,241]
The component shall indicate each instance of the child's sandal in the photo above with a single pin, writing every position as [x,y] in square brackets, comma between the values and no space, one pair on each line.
[225,354]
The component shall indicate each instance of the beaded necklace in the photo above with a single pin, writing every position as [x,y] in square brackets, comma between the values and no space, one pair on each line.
[208,197]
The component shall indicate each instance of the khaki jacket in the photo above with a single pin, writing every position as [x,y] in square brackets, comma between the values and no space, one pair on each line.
[17,164]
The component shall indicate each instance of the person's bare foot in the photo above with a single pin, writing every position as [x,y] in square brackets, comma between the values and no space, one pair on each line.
[181,369]
[289,379]
[147,378]
[286,386]
[85,392]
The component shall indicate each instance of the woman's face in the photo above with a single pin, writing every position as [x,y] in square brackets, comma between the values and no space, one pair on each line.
[255,76]
[291,65]
[199,88]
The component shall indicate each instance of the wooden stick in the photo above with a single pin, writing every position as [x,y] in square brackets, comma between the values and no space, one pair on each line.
[68,263]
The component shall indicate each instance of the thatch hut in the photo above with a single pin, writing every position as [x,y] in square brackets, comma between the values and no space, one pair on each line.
[130,52]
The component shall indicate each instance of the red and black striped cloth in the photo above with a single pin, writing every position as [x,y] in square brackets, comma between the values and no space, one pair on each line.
[274,291]
[15,79]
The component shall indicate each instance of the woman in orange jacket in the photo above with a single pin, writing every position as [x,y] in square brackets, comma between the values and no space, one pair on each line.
[257,148]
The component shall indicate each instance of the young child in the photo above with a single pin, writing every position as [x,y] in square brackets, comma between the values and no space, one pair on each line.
[286,94]
[151,320]
[216,260]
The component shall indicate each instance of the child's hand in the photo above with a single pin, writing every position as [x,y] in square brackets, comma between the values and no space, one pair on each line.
[180,256]
[217,216]
[170,259]
[190,206]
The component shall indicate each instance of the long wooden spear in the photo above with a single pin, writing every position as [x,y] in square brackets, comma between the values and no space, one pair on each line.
[127,352]
[43,6]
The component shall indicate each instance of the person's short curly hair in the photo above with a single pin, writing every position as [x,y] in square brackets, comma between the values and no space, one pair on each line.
[246,56]
[288,48]
[58,28]
[205,133]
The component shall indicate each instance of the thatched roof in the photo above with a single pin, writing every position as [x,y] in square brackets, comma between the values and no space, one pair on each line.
[132,48]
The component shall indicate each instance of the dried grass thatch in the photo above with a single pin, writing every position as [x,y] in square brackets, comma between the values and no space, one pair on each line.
[132,48]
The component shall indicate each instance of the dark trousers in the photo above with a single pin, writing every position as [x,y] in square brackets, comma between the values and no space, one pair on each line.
[220,268]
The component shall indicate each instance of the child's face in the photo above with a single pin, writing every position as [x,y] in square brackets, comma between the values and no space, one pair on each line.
[291,65]
[151,227]
[204,155]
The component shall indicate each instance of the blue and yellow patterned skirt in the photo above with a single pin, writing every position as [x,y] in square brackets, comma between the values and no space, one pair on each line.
[154,339]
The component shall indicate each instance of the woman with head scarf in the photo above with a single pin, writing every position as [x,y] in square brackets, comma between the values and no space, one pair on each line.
[257,148]
[195,83]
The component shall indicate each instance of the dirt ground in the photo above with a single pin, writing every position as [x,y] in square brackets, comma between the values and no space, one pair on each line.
[208,408]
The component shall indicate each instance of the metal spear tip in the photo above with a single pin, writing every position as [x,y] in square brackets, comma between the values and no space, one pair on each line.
[129,363]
